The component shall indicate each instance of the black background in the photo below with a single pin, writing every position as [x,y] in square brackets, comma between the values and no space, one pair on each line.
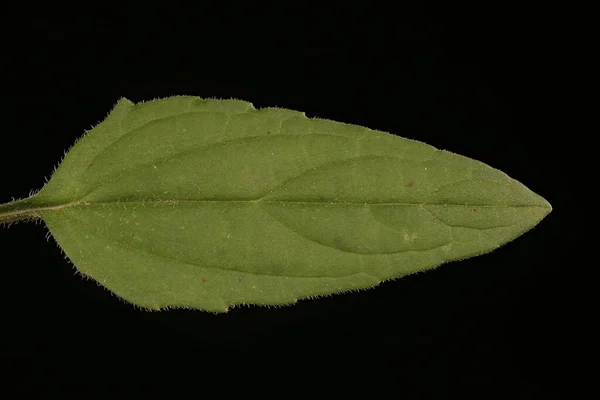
[478,81]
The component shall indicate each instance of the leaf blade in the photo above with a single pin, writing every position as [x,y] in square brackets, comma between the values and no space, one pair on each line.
[217,204]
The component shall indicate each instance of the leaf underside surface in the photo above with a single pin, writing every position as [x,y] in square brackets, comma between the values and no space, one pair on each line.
[187,202]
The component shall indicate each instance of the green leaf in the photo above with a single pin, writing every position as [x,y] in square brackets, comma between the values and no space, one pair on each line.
[211,203]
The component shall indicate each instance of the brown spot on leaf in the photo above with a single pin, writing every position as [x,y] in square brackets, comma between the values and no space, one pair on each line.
[203,280]
[410,184]
[474,209]
[268,132]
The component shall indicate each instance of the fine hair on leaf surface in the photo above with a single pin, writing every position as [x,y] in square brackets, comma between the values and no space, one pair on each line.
[207,204]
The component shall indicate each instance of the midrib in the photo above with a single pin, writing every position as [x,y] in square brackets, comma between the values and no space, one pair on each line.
[171,202]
